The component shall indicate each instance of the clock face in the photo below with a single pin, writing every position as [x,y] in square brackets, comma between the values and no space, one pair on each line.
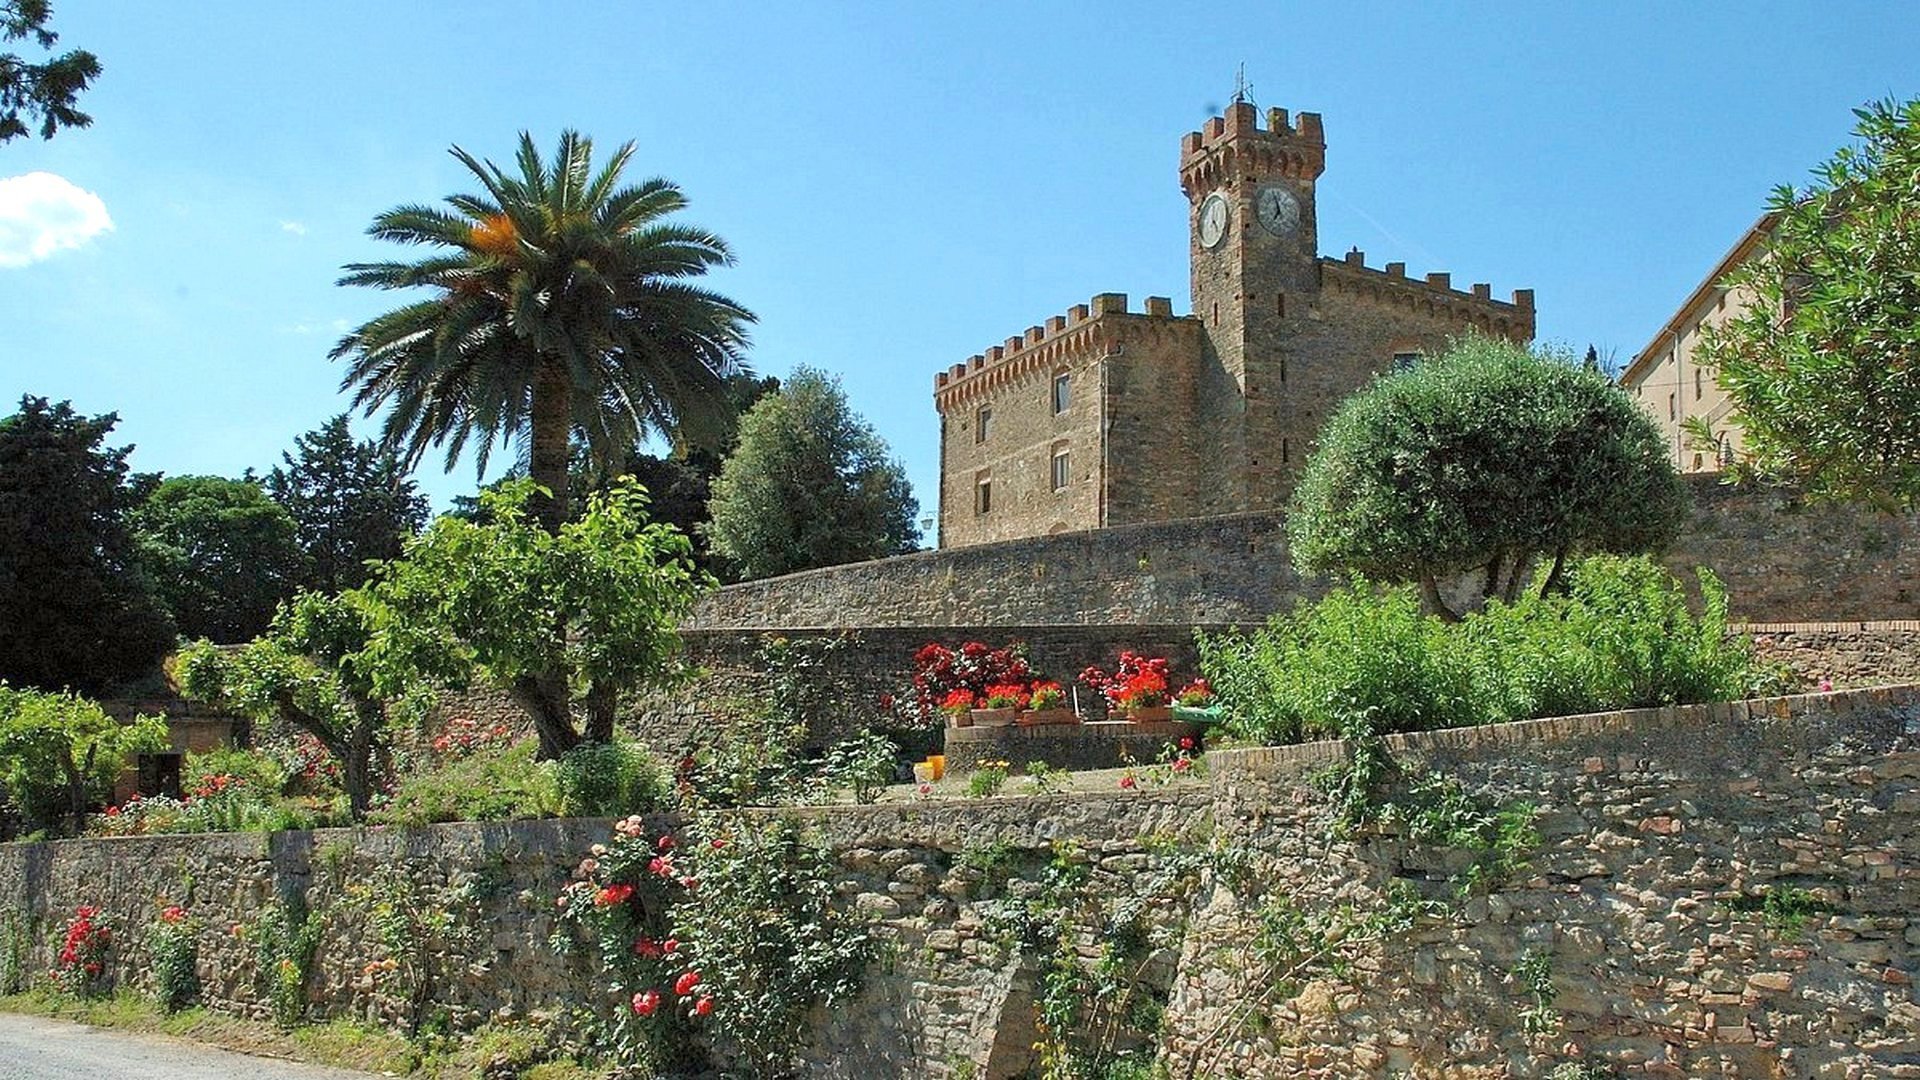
[1278,210]
[1213,220]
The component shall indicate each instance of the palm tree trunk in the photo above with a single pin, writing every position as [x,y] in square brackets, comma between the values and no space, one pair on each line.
[551,422]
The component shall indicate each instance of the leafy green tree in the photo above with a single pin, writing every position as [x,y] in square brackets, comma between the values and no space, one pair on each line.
[1824,366]
[222,553]
[351,502]
[77,608]
[60,753]
[45,92]
[566,622]
[809,484]
[319,670]
[1487,457]
[561,307]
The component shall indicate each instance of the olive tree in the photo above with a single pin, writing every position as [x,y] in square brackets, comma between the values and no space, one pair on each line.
[318,669]
[567,621]
[1823,367]
[1487,458]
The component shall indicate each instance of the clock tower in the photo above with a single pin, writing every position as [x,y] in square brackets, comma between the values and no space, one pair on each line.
[1256,279]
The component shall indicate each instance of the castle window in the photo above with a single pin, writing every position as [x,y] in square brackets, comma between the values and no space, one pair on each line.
[1280,304]
[1062,392]
[1061,468]
[980,422]
[983,493]
[1696,384]
[1673,406]
[1405,361]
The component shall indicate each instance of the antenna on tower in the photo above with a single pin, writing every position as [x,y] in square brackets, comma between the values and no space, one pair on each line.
[1242,89]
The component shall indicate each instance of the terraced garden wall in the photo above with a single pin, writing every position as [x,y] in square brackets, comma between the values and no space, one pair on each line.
[1715,891]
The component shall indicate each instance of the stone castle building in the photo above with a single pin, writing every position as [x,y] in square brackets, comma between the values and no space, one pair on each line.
[1108,416]
[1668,379]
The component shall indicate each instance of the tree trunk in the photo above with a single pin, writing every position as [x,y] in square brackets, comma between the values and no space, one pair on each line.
[354,774]
[356,759]
[1522,562]
[1433,603]
[551,420]
[545,699]
[602,705]
[1556,574]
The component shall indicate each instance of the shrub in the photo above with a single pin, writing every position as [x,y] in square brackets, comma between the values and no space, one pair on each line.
[1360,656]
[987,780]
[604,779]
[484,787]
[259,771]
[863,764]
[771,944]
[175,957]
[1365,660]
[80,966]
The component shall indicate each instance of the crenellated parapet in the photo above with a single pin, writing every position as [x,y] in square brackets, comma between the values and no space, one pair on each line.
[1235,145]
[1474,307]
[1097,327]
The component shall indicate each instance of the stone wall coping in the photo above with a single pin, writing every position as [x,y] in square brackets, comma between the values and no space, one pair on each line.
[937,629]
[1870,626]
[1471,741]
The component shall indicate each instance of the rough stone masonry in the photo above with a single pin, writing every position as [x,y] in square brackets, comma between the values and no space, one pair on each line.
[1663,833]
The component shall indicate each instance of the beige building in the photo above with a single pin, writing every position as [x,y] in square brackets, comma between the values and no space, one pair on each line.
[1105,415]
[1671,383]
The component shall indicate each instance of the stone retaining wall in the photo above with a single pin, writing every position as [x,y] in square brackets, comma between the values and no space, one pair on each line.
[1781,560]
[1660,832]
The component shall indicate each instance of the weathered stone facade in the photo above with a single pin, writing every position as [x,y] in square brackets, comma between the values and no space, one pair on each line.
[1102,417]
[1661,833]
[1782,561]
[1668,377]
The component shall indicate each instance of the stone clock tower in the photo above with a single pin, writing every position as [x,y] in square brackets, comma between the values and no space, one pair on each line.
[1256,281]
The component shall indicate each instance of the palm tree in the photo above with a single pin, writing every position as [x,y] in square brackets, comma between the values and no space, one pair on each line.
[562,310]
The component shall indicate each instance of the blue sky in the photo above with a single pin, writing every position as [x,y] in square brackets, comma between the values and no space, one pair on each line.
[903,184]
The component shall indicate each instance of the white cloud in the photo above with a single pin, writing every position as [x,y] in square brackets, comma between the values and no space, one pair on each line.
[41,213]
[294,227]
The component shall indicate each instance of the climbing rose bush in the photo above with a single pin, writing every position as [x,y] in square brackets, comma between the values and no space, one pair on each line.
[713,949]
[81,965]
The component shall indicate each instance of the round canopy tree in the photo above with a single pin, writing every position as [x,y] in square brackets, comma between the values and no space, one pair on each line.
[1488,457]
[810,484]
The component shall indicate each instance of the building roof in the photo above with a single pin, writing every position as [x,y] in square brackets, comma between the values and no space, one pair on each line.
[1739,253]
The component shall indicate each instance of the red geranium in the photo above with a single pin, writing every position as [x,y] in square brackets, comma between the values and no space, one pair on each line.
[684,984]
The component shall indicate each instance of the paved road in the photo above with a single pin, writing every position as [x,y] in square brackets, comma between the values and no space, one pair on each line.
[32,1048]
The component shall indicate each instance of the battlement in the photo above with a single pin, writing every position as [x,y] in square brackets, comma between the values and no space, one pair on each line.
[1391,283]
[1058,337]
[1235,143]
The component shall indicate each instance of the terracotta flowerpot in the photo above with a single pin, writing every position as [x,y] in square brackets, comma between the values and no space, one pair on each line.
[1150,714]
[994,717]
[1035,717]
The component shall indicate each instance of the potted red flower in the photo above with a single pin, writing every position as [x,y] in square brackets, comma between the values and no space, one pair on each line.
[1000,705]
[1047,704]
[1137,689]
[957,707]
